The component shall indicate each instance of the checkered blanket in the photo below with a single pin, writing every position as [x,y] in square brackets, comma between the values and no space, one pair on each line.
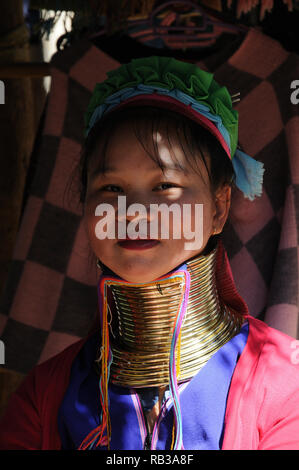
[50,299]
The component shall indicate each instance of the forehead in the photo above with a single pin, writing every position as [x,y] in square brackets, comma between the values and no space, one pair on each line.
[165,148]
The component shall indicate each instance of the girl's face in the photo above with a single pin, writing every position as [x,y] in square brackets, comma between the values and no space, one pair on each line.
[132,173]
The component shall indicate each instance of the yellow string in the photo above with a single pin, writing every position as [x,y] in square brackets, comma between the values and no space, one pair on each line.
[178,368]
[178,360]
[173,429]
[105,369]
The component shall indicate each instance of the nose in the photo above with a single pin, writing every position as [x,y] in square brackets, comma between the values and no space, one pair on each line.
[135,208]
[136,205]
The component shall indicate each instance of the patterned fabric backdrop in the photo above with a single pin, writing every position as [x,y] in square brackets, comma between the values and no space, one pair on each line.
[50,298]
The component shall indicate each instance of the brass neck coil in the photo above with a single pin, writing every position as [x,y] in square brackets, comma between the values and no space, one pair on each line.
[143,319]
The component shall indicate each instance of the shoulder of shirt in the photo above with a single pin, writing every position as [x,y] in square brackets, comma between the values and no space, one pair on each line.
[269,336]
[45,384]
[276,352]
[58,366]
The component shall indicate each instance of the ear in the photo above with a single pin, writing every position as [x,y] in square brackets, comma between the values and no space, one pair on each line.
[222,202]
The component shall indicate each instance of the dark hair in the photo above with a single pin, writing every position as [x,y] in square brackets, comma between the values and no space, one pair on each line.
[193,138]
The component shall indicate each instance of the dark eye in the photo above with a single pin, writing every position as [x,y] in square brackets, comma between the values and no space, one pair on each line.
[114,189]
[167,185]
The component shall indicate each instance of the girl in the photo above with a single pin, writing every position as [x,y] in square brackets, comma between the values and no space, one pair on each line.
[176,361]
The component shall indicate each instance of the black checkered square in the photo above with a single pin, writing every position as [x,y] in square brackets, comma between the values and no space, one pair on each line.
[76,308]
[23,345]
[53,237]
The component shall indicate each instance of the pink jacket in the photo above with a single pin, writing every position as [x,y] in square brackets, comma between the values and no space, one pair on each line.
[262,408]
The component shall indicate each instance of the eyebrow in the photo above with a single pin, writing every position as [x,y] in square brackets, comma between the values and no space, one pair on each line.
[113,170]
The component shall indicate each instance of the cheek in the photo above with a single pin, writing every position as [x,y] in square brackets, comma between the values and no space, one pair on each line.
[89,210]
[89,225]
[91,220]
[208,216]
[199,210]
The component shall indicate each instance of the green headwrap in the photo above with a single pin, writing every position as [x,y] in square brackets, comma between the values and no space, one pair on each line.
[196,95]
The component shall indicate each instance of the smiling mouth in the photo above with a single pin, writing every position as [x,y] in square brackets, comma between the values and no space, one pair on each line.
[138,244]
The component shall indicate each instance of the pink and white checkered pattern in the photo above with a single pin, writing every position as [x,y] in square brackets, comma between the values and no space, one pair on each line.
[50,298]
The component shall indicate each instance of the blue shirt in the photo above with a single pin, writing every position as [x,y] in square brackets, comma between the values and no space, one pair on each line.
[203,403]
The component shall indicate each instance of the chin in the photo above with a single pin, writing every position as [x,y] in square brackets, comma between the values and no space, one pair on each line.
[140,277]
[136,275]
